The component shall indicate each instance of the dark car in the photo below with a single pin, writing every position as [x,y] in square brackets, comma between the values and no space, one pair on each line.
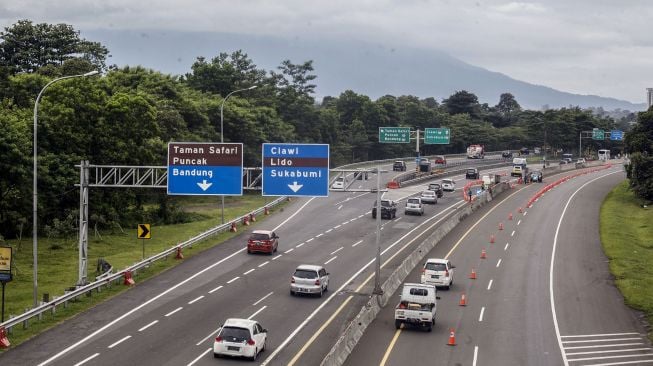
[388,209]
[399,166]
[361,175]
[263,241]
[536,176]
[437,188]
[506,154]
[472,173]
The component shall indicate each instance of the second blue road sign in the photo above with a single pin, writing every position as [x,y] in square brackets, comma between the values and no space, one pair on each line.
[295,170]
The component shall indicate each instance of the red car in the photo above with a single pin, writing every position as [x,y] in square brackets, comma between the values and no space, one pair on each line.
[440,160]
[262,241]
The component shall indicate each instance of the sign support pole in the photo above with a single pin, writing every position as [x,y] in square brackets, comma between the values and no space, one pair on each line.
[2,320]
[377,271]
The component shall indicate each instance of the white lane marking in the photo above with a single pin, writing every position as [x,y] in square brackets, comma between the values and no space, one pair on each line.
[345,223]
[518,222]
[263,298]
[525,212]
[289,250]
[174,311]
[199,357]
[337,250]
[120,341]
[610,351]
[475,355]
[233,279]
[499,263]
[328,231]
[356,243]
[480,317]
[299,245]
[329,261]
[293,215]
[339,207]
[607,357]
[513,233]
[310,240]
[489,285]
[215,289]
[149,325]
[398,218]
[207,337]
[598,335]
[346,283]
[350,198]
[195,300]
[277,257]
[354,219]
[551,266]
[603,340]
[359,216]
[506,247]
[607,345]
[318,235]
[250,271]
[86,359]
[262,264]
[621,363]
[257,311]
[337,226]
[123,316]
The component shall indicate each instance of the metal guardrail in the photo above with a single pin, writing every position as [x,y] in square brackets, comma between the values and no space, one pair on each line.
[111,277]
[413,177]
[411,158]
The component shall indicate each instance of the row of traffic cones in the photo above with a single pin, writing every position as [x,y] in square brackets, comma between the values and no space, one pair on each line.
[247,219]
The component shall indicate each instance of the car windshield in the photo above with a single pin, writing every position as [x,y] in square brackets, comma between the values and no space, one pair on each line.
[234,334]
[385,203]
[428,193]
[436,266]
[305,273]
[259,236]
[434,186]
[447,182]
[413,200]
[471,170]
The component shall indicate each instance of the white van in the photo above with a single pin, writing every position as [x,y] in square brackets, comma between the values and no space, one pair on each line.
[519,161]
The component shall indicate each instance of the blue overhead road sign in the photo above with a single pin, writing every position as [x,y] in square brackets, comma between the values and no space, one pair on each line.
[198,168]
[295,170]
[616,135]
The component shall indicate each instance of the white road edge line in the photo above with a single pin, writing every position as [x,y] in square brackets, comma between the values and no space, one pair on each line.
[257,311]
[149,325]
[174,311]
[339,207]
[328,231]
[329,261]
[299,245]
[551,266]
[86,359]
[310,240]
[289,250]
[195,300]
[598,335]
[120,341]
[277,257]
[475,355]
[216,289]
[233,279]
[199,357]
[337,226]
[356,243]
[318,235]
[263,298]
[293,215]
[489,285]
[480,317]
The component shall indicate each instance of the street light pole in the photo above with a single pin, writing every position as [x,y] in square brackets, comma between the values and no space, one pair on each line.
[35,179]
[222,128]
[377,269]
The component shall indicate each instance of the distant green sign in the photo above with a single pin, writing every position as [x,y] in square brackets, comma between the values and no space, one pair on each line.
[598,134]
[437,136]
[394,135]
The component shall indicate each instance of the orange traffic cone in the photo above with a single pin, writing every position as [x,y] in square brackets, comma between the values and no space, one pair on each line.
[492,239]
[233,227]
[252,217]
[510,216]
[179,255]
[501,226]
[472,276]
[452,338]
[267,210]
[463,300]
[483,253]
[520,210]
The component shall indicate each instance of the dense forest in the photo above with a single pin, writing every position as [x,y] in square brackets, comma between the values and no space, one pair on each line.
[128,115]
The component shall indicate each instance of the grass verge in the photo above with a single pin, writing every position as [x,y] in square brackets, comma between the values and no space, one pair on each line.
[626,232]
[57,268]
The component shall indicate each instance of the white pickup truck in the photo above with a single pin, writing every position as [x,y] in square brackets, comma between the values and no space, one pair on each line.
[417,306]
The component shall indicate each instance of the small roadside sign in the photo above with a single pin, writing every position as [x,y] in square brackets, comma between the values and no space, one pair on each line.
[144,231]
[5,264]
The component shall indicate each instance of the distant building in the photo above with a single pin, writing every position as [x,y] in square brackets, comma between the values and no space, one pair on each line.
[649,96]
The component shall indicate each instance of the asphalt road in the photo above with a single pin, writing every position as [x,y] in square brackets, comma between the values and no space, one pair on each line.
[509,317]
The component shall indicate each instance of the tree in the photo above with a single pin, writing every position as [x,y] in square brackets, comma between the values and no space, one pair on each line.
[639,143]
[224,73]
[27,47]
[463,102]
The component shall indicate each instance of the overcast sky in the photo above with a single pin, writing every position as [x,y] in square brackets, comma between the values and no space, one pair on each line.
[602,47]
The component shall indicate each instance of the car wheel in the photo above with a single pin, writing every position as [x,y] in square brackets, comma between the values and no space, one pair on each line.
[255,354]
[266,341]
[215,355]
[326,288]
[397,324]
[292,293]
[249,251]
[373,216]
[276,248]
[429,327]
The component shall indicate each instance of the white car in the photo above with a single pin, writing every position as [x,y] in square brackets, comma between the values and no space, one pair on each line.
[448,185]
[438,272]
[240,338]
[309,279]
[429,197]
[339,183]
[414,205]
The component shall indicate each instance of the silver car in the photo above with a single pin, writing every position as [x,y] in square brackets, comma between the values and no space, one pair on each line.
[309,279]
[429,197]
[414,206]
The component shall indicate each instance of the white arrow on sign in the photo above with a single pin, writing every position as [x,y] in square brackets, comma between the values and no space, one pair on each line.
[295,187]
[204,185]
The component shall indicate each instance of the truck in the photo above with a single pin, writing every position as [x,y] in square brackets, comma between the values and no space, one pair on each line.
[476,152]
[417,306]
[425,165]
